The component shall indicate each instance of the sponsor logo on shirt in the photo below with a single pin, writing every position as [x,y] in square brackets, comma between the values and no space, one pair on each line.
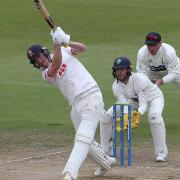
[62,70]
[158,68]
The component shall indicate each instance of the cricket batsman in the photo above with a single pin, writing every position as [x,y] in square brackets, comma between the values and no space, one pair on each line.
[63,70]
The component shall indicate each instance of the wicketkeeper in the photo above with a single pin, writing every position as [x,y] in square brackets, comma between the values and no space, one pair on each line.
[128,86]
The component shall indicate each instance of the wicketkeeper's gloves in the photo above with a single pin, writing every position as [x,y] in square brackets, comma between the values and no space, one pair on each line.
[134,122]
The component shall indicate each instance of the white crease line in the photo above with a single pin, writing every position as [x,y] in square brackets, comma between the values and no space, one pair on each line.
[29,172]
[31,157]
[145,179]
[157,168]
[60,162]
[54,162]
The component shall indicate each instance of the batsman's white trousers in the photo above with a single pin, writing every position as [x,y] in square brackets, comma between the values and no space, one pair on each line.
[85,116]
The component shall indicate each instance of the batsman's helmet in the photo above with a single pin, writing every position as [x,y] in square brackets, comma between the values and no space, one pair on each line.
[122,63]
[34,51]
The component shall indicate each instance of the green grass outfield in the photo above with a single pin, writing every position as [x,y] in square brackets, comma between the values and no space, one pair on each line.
[32,113]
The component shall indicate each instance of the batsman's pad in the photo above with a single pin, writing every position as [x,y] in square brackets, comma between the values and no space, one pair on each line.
[134,122]
[85,132]
[98,155]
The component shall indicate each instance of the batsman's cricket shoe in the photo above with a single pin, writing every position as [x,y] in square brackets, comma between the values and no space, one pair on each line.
[161,157]
[101,171]
[67,177]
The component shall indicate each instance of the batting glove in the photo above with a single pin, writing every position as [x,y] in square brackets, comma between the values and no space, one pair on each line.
[57,36]
[59,29]
[66,39]
[60,37]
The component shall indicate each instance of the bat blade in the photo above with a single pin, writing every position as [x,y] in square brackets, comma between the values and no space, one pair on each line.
[44,13]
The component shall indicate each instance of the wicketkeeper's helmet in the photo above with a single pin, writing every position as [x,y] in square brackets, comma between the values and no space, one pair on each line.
[34,51]
[122,63]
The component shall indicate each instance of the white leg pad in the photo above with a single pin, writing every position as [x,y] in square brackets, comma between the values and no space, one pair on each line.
[85,132]
[158,132]
[97,154]
[76,159]
[83,141]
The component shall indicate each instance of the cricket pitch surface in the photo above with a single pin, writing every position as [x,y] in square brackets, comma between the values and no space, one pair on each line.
[48,165]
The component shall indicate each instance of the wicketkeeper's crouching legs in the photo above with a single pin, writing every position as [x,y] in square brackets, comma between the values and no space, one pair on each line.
[158,130]
[106,130]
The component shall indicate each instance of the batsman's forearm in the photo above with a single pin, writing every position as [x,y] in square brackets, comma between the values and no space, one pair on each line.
[168,78]
[56,61]
[57,56]
[77,47]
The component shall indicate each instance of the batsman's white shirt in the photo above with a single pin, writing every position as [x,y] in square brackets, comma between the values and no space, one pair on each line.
[72,79]
[85,98]
[165,64]
[138,86]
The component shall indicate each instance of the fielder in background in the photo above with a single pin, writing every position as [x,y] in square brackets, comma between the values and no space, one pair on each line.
[129,86]
[158,61]
[65,71]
